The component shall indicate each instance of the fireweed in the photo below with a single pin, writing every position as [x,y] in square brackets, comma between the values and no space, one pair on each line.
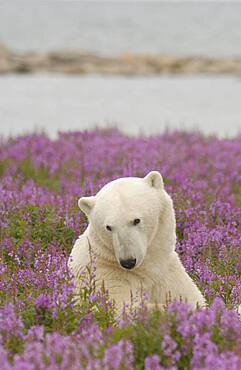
[42,327]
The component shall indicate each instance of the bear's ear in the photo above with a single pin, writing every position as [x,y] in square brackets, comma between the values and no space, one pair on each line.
[154,179]
[86,204]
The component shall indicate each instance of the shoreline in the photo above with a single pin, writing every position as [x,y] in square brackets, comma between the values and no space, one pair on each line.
[78,62]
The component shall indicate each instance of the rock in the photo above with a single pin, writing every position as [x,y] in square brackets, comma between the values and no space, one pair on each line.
[4,59]
[4,51]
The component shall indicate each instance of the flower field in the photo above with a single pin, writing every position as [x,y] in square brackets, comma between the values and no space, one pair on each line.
[40,182]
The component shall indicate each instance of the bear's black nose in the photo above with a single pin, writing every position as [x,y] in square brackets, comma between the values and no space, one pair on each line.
[128,264]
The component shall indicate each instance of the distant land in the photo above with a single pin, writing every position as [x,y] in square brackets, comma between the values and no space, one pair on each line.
[84,62]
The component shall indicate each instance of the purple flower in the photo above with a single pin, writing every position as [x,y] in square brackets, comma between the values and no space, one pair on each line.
[10,324]
[43,301]
[168,345]
[118,356]
[203,346]
[153,363]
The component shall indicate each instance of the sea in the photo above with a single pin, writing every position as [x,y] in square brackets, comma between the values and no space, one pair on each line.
[149,105]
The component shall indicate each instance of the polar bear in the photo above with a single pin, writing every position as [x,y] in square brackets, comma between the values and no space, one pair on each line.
[132,235]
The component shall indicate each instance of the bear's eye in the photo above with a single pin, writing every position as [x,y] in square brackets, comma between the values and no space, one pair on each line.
[108,228]
[136,221]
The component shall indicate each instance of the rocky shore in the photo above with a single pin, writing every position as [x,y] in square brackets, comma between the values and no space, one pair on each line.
[81,62]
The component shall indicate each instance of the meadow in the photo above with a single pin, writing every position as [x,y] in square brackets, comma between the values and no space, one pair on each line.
[40,182]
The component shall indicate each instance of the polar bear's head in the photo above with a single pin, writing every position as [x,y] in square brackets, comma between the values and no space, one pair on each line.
[125,214]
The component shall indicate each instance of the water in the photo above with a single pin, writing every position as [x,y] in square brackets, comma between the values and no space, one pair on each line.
[179,28]
[140,104]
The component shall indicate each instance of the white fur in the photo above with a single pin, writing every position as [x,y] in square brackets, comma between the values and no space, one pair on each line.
[158,270]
